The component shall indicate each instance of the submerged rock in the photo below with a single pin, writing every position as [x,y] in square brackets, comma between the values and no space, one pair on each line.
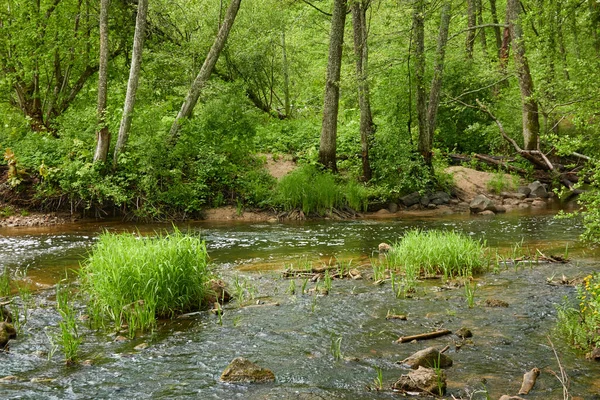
[7,332]
[429,357]
[464,333]
[245,371]
[422,380]
[481,203]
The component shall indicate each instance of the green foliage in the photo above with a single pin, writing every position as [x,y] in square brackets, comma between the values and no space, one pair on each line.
[5,283]
[579,324]
[317,192]
[133,280]
[499,183]
[438,252]
[68,339]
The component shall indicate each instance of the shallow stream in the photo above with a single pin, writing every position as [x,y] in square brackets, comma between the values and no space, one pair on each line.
[185,357]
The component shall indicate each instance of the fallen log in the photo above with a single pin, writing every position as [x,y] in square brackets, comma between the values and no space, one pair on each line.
[423,336]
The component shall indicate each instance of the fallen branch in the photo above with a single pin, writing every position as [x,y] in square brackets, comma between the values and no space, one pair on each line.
[563,378]
[529,379]
[424,336]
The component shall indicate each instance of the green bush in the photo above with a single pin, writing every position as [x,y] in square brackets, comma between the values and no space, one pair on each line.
[133,280]
[438,252]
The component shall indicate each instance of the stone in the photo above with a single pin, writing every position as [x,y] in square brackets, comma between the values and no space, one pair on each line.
[524,205]
[538,203]
[486,212]
[5,314]
[524,189]
[507,397]
[481,203]
[594,354]
[495,303]
[429,357]
[439,198]
[7,332]
[141,346]
[384,247]
[424,200]
[432,206]
[383,211]
[463,333]
[410,199]
[245,371]
[217,292]
[422,380]
[393,207]
[537,190]
[500,210]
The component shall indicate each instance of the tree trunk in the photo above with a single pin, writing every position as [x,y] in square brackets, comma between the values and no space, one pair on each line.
[531,124]
[209,63]
[505,48]
[436,83]
[495,20]
[361,51]
[471,21]
[419,25]
[327,148]
[134,76]
[103,134]
[286,77]
[481,31]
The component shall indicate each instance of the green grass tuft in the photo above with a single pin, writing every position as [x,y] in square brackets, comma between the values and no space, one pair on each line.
[134,280]
[437,252]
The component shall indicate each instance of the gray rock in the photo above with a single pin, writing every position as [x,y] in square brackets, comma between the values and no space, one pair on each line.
[384,247]
[422,380]
[243,370]
[425,201]
[464,333]
[500,210]
[481,203]
[486,212]
[538,203]
[392,207]
[7,332]
[513,195]
[439,198]
[524,189]
[410,199]
[537,190]
[429,357]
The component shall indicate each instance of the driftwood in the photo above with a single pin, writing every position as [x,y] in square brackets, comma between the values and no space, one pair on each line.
[529,380]
[401,317]
[423,336]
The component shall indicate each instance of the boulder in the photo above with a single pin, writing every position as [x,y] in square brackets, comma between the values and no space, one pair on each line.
[422,380]
[384,247]
[538,204]
[5,314]
[245,371]
[594,354]
[486,212]
[537,190]
[424,200]
[410,199]
[512,195]
[7,332]
[392,207]
[481,203]
[439,198]
[524,189]
[429,357]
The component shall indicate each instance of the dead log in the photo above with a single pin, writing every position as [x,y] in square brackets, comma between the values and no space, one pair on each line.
[423,336]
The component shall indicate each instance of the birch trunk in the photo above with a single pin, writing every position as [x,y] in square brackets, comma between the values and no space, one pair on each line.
[134,76]
[327,147]
[206,70]
[103,134]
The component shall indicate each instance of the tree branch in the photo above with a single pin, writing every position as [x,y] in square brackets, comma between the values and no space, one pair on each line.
[317,8]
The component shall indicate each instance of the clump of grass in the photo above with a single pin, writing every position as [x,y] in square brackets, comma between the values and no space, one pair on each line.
[68,339]
[5,281]
[133,280]
[437,252]
[317,192]
[336,347]
[470,293]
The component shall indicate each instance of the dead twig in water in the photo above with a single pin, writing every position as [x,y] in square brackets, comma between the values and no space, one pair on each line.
[424,336]
[563,378]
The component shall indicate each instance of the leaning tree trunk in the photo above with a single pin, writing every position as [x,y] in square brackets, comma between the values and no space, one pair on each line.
[103,134]
[438,70]
[327,147]
[206,70]
[419,26]
[361,51]
[134,76]
[531,124]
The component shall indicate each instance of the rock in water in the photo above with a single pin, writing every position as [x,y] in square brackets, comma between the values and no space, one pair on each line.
[529,380]
[537,190]
[507,397]
[384,247]
[245,371]
[422,380]
[217,292]
[7,332]
[481,203]
[429,357]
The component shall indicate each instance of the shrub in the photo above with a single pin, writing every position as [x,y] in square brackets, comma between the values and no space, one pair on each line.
[438,252]
[580,324]
[133,280]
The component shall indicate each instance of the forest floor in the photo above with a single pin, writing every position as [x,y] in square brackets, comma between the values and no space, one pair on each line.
[468,183]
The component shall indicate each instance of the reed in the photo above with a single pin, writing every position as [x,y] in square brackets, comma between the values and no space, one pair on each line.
[68,339]
[470,293]
[336,347]
[436,252]
[133,280]
[5,281]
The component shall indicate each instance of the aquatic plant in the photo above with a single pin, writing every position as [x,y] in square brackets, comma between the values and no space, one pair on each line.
[292,287]
[579,324]
[5,283]
[378,381]
[470,293]
[132,279]
[336,347]
[327,280]
[68,339]
[437,252]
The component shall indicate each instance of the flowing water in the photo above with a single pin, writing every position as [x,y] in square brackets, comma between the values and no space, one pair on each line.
[185,357]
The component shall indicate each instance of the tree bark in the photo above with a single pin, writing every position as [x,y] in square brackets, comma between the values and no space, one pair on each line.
[286,77]
[481,31]
[531,124]
[206,70]
[103,134]
[361,51]
[424,145]
[438,71]
[327,147]
[471,21]
[495,20]
[134,76]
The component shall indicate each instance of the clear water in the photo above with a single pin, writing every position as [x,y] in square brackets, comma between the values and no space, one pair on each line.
[186,357]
